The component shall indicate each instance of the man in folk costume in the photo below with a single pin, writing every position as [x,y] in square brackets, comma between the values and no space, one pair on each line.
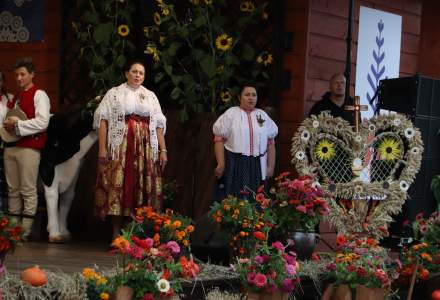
[22,158]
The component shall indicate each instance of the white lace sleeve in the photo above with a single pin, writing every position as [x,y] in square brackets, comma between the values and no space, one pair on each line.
[157,120]
[102,111]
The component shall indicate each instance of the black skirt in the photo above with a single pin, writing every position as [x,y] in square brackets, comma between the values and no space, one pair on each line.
[242,173]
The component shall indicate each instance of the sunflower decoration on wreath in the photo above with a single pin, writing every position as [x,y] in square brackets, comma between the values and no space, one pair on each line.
[368,172]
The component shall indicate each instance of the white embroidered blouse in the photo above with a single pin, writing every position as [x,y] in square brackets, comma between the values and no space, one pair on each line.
[124,100]
[248,133]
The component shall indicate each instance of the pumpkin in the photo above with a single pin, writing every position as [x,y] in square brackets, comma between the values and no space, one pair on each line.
[34,276]
[435,295]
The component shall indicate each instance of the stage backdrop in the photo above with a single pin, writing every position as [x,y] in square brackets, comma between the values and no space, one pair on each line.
[378,55]
[21,21]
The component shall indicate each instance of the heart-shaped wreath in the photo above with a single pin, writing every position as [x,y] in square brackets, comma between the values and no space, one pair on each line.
[368,172]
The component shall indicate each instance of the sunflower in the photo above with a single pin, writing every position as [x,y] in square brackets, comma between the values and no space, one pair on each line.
[325,150]
[123,30]
[223,42]
[153,51]
[157,18]
[208,2]
[225,96]
[265,58]
[247,6]
[389,149]
[165,11]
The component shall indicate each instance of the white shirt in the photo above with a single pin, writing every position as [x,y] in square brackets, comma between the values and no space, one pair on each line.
[3,106]
[42,116]
[247,133]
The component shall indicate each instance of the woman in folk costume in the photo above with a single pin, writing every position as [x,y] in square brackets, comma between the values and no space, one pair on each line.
[4,98]
[244,144]
[132,151]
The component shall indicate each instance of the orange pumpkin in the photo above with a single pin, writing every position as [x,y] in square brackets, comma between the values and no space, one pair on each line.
[435,295]
[34,276]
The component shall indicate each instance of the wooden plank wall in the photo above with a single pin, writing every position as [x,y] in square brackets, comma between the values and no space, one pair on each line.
[429,62]
[45,54]
[292,100]
[327,46]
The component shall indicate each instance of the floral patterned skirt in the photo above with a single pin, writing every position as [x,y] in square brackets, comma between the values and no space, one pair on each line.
[133,180]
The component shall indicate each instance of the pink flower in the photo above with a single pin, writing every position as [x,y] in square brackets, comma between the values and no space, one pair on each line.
[278,245]
[174,247]
[135,251]
[272,275]
[291,269]
[251,277]
[259,259]
[331,266]
[361,272]
[301,208]
[260,280]
[288,285]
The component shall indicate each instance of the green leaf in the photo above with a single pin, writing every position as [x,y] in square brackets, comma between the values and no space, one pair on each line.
[172,49]
[208,66]
[176,93]
[103,32]
[248,53]
[435,187]
[120,61]
[199,21]
[159,77]
[91,17]
[168,69]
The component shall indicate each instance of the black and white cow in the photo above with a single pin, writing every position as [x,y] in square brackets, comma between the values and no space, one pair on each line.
[70,137]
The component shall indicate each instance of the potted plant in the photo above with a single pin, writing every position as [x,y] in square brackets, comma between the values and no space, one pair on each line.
[268,273]
[245,224]
[10,236]
[298,206]
[361,269]
[421,258]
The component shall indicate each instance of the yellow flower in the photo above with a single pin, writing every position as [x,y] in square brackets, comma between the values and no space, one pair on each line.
[165,11]
[122,1]
[162,39]
[101,280]
[153,51]
[208,2]
[195,2]
[389,149]
[247,6]
[159,2]
[157,18]
[225,96]
[325,150]
[223,42]
[89,273]
[146,30]
[265,58]
[123,30]
[104,296]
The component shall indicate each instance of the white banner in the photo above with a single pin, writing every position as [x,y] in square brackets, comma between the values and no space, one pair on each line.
[378,55]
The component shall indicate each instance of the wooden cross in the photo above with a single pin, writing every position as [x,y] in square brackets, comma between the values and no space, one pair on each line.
[356,108]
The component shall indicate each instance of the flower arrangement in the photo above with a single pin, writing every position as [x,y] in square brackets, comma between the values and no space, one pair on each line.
[97,285]
[246,225]
[298,204]
[10,235]
[361,261]
[268,269]
[423,255]
[204,50]
[163,227]
[151,260]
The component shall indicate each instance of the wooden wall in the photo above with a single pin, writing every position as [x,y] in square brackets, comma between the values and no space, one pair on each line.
[327,46]
[45,54]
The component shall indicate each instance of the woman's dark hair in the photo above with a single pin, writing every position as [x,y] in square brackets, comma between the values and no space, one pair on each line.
[3,89]
[245,85]
[132,62]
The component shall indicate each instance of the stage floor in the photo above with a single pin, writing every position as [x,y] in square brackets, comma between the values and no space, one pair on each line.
[68,258]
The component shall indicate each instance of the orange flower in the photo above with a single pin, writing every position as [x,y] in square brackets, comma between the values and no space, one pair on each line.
[177,224]
[371,242]
[259,235]
[156,238]
[190,228]
[424,274]
[120,243]
[426,256]
[340,240]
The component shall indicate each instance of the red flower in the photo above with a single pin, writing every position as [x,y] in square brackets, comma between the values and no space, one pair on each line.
[259,235]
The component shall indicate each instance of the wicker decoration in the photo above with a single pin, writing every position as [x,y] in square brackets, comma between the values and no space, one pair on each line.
[368,172]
